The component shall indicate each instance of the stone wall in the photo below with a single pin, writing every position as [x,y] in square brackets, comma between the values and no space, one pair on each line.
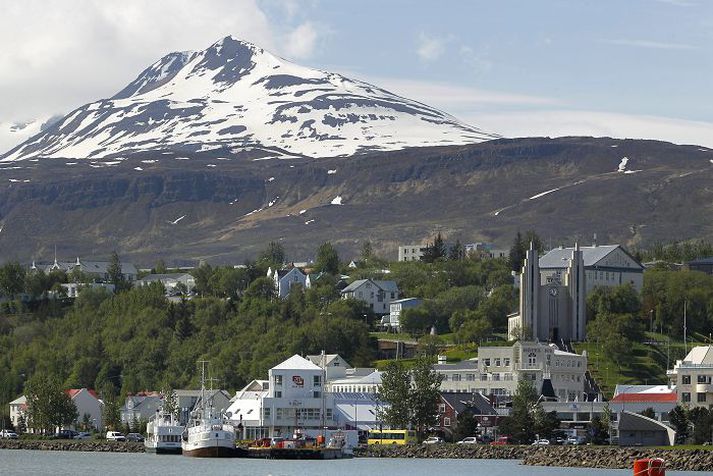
[565,456]
[73,445]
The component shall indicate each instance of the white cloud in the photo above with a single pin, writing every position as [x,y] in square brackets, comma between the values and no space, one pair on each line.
[557,123]
[57,56]
[430,48]
[659,45]
[301,41]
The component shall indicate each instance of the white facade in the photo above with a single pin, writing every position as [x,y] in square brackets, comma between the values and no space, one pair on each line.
[498,370]
[170,281]
[394,318]
[88,403]
[693,377]
[18,409]
[378,295]
[285,279]
[411,252]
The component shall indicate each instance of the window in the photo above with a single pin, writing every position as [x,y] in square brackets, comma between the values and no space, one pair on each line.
[278,393]
[506,362]
[456,377]
[496,377]
[316,394]
[703,379]
[685,379]
[445,377]
[497,362]
[483,377]
[470,377]
[531,358]
[700,397]
[393,295]
[280,413]
[329,413]
[685,397]
[441,408]
[266,412]
[486,362]
[278,380]
[446,421]
[316,380]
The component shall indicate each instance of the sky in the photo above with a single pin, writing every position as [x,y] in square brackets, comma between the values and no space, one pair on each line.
[630,69]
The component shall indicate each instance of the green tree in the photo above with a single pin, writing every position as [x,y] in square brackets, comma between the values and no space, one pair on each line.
[435,251]
[160,267]
[170,402]
[366,251]
[424,394]
[116,275]
[48,406]
[272,256]
[597,431]
[327,259]
[466,425]
[395,391]
[520,425]
[457,252]
[517,253]
[678,417]
[12,279]
[111,414]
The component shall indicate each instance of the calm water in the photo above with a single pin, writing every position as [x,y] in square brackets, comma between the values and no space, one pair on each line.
[70,463]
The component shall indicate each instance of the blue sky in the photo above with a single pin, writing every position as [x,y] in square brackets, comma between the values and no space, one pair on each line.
[637,68]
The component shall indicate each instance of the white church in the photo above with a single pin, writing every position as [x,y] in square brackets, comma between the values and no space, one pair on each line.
[554,288]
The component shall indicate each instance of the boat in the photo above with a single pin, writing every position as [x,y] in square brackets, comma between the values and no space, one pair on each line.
[300,447]
[163,434]
[209,433]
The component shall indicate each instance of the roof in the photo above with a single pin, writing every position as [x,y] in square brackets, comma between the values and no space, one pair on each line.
[629,421]
[374,378]
[474,402]
[399,301]
[159,277]
[645,398]
[559,257]
[284,272]
[72,392]
[388,286]
[21,400]
[296,362]
[328,359]
[462,365]
[702,354]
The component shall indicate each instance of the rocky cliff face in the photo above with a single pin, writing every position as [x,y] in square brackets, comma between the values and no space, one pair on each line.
[563,188]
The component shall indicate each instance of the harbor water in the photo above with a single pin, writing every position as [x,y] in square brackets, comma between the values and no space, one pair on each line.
[26,462]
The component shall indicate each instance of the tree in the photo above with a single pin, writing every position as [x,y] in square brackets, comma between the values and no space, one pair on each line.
[517,253]
[424,394]
[170,402]
[12,279]
[648,412]
[327,259]
[366,251]
[160,267]
[273,255]
[48,406]
[395,391]
[111,414]
[457,252]
[434,251]
[116,276]
[598,431]
[678,417]
[520,425]
[466,425]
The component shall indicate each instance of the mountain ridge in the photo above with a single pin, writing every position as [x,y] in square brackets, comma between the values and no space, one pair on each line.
[234,96]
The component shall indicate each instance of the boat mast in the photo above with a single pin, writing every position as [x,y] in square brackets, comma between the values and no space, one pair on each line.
[324,381]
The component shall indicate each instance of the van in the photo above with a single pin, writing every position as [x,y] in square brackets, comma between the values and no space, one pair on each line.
[115,436]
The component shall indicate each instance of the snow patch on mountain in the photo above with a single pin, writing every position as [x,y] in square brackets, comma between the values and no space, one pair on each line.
[238,96]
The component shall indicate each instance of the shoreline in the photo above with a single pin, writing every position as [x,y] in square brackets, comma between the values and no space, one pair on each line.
[604,457]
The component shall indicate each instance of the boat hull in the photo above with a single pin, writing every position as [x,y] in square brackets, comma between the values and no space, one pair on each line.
[173,450]
[295,453]
[211,452]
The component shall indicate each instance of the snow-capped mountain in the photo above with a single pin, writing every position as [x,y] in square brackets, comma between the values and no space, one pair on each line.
[235,96]
[14,133]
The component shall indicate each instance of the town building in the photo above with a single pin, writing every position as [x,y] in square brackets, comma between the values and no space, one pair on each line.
[411,252]
[637,398]
[692,378]
[554,373]
[18,411]
[637,430]
[186,401]
[72,290]
[88,404]
[392,321]
[704,265]
[485,250]
[377,295]
[174,283]
[285,279]
[140,407]
[453,404]
[98,271]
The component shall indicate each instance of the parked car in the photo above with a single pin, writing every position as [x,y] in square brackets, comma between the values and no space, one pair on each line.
[8,434]
[575,440]
[65,434]
[541,442]
[82,435]
[433,440]
[501,440]
[115,436]
[134,437]
[468,440]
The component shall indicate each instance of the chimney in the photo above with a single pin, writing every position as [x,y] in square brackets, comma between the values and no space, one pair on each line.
[594,243]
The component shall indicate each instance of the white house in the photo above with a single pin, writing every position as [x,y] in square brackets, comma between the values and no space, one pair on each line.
[18,409]
[376,294]
[292,398]
[141,406]
[88,404]
[285,279]
[170,281]
[395,308]
[411,252]
[693,377]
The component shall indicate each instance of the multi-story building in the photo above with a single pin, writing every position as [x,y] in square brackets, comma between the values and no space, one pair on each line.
[378,295]
[497,371]
[692,377]
[411,252]
[393,320]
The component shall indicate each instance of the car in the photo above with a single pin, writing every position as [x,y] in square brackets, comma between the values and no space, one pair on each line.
[8,434]
[468,440]
[501,440]
[541,442]
[433,440]
[115,436]
[134,437]
[575,440]
[65,434]
[82,435]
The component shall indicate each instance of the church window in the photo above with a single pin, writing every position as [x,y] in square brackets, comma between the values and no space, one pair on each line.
[531,358]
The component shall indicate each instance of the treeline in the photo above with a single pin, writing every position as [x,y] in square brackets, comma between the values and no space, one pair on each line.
[676,251]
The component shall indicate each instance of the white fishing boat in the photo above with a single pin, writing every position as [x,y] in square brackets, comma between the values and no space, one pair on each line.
[209,432]
[163,434]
